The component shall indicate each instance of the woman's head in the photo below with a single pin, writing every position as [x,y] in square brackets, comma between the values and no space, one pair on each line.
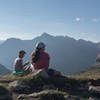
[40,46]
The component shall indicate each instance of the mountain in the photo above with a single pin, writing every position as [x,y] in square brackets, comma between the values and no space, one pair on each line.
[66,54]
[4,70]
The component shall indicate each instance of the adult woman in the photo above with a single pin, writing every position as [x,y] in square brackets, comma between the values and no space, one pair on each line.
[40,59]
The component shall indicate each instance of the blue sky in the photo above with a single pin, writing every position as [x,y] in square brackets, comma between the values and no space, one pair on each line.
[27,19]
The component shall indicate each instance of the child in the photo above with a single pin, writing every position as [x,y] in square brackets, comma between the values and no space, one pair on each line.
[19,67]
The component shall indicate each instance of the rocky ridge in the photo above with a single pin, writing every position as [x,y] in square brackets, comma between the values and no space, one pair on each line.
[39,87]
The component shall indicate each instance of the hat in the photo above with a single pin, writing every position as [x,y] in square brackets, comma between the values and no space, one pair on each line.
[40,45]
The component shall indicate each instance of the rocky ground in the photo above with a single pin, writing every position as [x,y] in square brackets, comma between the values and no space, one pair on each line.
[42,87]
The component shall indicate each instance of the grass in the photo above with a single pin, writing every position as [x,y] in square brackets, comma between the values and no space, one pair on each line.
[92,73]
[84,77]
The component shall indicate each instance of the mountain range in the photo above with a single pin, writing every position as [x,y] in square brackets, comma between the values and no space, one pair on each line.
[66,54]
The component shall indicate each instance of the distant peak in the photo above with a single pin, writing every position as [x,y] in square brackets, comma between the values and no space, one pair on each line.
[46,34]
[11,39]
[81,40]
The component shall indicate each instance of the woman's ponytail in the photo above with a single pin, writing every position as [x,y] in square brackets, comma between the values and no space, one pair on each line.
[35,55]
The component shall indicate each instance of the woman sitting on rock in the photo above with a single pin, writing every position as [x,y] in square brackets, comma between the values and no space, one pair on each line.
[19,67]
[40,59]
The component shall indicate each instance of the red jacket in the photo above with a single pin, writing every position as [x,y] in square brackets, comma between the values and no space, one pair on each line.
[43,62]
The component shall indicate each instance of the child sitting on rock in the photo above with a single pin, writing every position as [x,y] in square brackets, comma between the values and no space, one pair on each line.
[19,67]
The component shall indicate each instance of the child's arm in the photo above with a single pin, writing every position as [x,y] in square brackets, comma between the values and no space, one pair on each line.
[21,65]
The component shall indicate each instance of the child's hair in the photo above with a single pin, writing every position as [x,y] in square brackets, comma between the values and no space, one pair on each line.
[35,55]
[21,52]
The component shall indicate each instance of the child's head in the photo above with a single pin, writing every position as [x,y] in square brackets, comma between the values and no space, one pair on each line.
[21,53]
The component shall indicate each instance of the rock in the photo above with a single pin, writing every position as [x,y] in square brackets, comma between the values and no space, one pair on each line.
[90,98]
[33,83]
[70,97]
[48,96]
[43,95]
[19,87]
[5,94]
[26,97]
[42,73]
[49,87]
[95,91]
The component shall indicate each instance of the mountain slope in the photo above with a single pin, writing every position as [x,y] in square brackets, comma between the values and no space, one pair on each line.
[93,70]
[4,70]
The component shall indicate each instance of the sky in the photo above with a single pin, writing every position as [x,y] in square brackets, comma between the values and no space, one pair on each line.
[26,19]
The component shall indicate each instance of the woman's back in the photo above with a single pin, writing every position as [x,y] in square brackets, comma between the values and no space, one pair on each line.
[42,62]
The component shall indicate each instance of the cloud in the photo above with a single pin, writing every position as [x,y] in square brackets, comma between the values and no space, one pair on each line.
[78,19]
[95,20]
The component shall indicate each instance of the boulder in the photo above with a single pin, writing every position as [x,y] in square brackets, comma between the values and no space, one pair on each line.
[94,91]
[30,83]
[5,94]
[50,86]
[42,73]
[26,97]
[19,86]
[43,95]
[70,97]
[91,98]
